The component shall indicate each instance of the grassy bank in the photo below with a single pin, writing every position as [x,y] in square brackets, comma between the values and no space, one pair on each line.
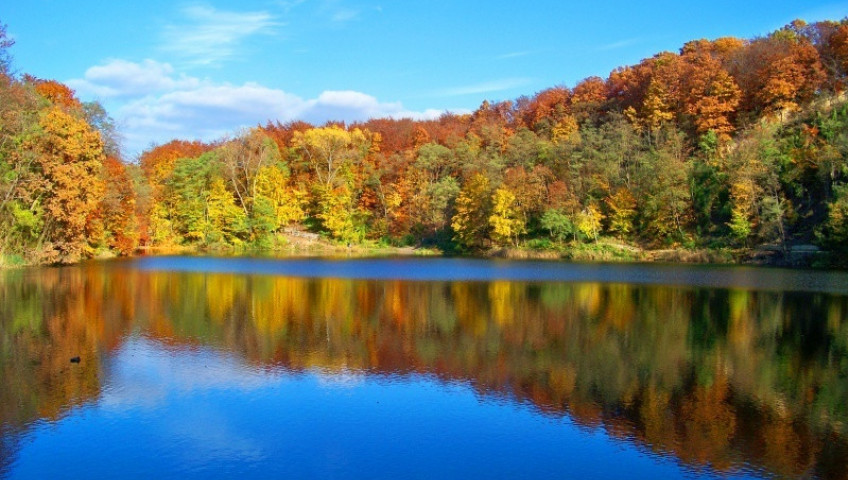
[296,246]
[610,251]
[797,256]
[12,261]
[604,250]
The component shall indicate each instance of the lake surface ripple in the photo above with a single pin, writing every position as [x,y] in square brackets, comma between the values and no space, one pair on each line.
[194,367]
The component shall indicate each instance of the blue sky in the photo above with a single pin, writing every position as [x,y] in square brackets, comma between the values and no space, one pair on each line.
[166,69]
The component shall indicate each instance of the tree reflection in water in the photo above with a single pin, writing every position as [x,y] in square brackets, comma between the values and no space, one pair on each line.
[717,377]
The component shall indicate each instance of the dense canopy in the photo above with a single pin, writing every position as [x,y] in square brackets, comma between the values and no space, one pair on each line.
[727,143]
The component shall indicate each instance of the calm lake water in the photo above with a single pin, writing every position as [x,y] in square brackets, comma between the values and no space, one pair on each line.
[421,368]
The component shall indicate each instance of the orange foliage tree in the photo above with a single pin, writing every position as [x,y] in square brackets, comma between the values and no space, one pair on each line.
[70,156]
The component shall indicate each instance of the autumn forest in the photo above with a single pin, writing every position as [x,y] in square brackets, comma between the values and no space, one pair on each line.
[726,145]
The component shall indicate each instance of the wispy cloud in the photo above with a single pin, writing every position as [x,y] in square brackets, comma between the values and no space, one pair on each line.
[832,11]
[288,5]
[344,15]
[509,55]
[620,44]
[485,87]
[208,35]
[336,12]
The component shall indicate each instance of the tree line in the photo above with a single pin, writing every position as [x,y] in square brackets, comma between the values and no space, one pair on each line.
[728,143]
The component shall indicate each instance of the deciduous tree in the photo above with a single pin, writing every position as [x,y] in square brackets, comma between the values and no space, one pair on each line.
[70,156]
[473,206]
[506,220]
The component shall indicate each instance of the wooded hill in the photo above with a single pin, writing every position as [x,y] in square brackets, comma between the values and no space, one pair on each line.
[728,143]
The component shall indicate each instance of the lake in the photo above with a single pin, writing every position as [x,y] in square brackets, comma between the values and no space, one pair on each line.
[192,367]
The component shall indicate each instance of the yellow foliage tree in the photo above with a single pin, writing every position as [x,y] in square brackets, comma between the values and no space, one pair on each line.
[657,108]
[566,131]
[622,206]
[472,212]
[330,149]
[339,214]
[243,159]
[223,217]
[506,221]
[589,222]
[273,184]
[160,227]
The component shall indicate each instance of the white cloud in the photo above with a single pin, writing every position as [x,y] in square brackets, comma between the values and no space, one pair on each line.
[332,10]
[143,372]
[344,15]
[212,111]
[341,379]
[509,55]
[120,78]
[210,35]
[288,5]
[337,12]
[620,44]
[347,105]
[485,87]
[153,104]
[206,112]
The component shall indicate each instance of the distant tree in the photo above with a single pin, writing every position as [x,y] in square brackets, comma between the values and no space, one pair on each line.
[118,207]
[224,220]
[99,119]
[57,93]
[622,208]
[560,224]
[834,232]
[330,150]
[5,44]
[339,215]
[284,200]
[589,222]
[710,96]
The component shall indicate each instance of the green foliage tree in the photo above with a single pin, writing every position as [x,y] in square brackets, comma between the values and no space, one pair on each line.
[188,189]
[243,161]
[710,187]
[223,220]
[432,214]
[559,224]
[437,160]
[340,215]
[665,189]
[834,231]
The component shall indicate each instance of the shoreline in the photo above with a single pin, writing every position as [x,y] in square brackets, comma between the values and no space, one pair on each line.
[607,251]
[801,257]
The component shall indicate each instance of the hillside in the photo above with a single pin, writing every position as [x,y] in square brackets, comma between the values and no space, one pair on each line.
[726,145]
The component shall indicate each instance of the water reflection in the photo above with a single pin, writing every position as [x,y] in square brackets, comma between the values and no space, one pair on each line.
[723,380]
